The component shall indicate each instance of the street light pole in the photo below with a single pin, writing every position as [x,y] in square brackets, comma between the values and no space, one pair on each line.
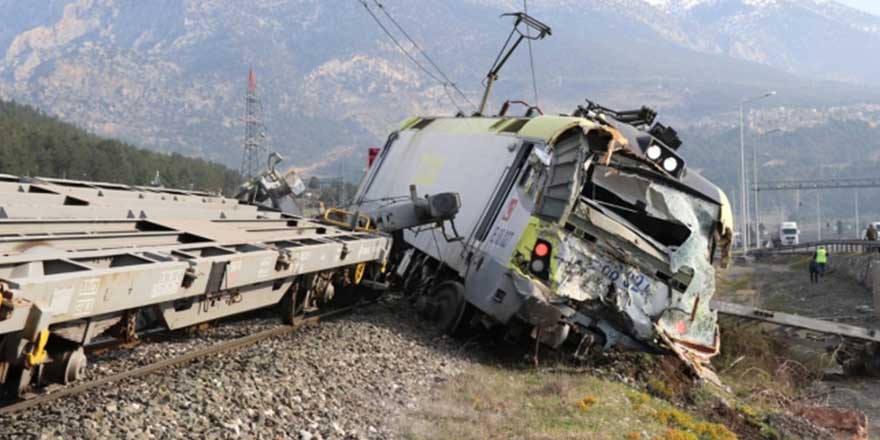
[742,165]
[755,186]
[858,228]
[744,235]
[819,212]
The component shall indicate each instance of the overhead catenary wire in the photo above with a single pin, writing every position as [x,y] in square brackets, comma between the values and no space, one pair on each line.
[444,81]
[397,43]
[449,82]
[531,57]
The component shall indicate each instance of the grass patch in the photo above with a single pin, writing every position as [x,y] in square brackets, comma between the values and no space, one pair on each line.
[779,302]
[489,402]
[660,389]
[730,285]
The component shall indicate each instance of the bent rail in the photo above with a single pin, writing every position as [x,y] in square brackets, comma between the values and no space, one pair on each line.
[796,321]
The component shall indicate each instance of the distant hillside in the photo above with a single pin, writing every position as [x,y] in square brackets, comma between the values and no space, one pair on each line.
[834,149]
[32,143]
[171,74]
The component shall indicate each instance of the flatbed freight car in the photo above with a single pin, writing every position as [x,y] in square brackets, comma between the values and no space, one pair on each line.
[66,282]
[80,260]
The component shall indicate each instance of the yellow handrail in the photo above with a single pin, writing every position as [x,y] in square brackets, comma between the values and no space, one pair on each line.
[343,219]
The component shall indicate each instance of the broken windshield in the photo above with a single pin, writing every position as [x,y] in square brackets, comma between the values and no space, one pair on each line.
[652,207]
[637,200]
[672,288]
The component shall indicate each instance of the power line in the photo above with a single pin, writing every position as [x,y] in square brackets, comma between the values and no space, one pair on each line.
[433,76]
[449,82]
[531,58]
[397,43]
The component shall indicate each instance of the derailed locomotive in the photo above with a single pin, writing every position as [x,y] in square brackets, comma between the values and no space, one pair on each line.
[587,229]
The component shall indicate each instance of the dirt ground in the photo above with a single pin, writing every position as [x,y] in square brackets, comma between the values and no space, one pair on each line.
[783,284]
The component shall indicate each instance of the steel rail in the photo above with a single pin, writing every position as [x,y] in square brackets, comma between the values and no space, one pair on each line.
[171,362]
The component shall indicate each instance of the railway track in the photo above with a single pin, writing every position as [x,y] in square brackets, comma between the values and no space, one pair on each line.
[222,347]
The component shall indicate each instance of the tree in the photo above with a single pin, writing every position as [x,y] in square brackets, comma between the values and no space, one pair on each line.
[35,144]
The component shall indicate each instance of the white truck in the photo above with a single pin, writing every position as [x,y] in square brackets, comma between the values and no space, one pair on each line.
[787,234]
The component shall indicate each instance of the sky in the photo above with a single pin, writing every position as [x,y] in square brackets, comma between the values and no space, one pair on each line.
[872,6]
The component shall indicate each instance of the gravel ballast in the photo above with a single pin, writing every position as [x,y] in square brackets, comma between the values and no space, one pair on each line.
[349,377]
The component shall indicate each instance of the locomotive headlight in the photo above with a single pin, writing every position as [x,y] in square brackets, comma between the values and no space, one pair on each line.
[670,164]
[653,152]
[537,266]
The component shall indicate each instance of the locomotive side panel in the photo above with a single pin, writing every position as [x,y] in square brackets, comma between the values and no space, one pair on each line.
[437,160]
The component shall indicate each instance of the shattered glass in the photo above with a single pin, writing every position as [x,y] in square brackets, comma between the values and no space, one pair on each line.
[590,273]
[689,316]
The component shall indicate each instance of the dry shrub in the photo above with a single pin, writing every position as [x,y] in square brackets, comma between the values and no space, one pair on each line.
[586,404]
[685,427]
[759,364]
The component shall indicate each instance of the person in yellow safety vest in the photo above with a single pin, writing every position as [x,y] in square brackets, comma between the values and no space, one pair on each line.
[821,259]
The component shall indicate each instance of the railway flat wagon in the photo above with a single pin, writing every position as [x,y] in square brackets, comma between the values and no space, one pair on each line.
[82,260]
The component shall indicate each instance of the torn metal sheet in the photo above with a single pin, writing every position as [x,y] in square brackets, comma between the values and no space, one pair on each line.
[677,230]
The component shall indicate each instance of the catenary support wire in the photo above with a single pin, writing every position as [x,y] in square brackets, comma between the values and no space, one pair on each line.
[432,75]
[418,47]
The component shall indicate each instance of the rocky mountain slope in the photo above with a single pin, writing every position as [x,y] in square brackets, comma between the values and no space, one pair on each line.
[170,74]
[817,38]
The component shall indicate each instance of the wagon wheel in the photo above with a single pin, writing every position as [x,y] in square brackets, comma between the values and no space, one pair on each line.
[444,306]
[293,305]
[346,291]
[18,380]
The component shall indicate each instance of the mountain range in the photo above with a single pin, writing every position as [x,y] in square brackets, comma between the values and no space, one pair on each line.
[171,74]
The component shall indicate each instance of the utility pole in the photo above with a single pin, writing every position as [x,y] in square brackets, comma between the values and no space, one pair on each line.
[254,153]
[742,165]
[755,185]
[342,192]
[755,189]
[858,226]
[744,235]
[819,213]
